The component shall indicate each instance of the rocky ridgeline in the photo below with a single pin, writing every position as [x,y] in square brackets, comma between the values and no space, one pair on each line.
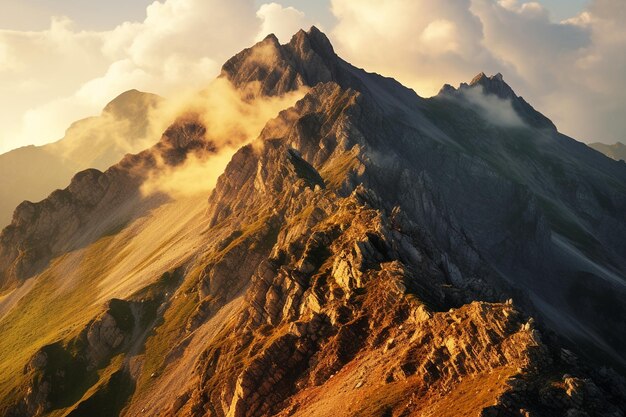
[362,254]
[95,201]
[344,295]
[493,199]
[354,284]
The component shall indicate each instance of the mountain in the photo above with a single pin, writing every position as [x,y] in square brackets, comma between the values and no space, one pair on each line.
[370,253]
[616,151]
[31,172]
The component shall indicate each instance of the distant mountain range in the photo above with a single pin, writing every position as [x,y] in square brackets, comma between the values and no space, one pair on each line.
[616,151]
[370,253]
[32,172]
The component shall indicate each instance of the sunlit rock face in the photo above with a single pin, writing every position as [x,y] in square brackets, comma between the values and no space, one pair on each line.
[370,253]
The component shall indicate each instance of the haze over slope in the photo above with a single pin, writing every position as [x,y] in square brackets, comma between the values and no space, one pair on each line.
[32,172]
[364,252]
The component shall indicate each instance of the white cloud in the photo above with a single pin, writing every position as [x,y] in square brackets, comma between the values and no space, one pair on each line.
[573,71]
[281,21]
[440,37]
[422,43]
[51,78]
[495,110]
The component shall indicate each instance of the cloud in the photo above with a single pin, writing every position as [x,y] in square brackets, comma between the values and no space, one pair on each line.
[53,77]
[39,68]
[573,71]
[231,119]
[196,176]
[495,110]
[424,44]
[281,21]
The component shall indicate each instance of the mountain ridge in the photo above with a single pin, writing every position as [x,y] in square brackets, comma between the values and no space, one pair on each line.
[370,253]
[32,172]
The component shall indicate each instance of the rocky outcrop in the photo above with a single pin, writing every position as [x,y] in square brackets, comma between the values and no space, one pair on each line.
[60,373]
[109,332]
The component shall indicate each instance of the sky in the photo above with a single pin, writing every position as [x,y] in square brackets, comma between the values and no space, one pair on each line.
[99,15]
[62,60]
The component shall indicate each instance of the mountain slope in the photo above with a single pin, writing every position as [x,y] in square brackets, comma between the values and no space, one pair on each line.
[478,169]
[31,172]
[616,151]
[370,253]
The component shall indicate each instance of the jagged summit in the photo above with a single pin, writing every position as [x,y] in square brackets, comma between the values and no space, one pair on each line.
[616,151]
[317,40]
[496,86]
[493,85]
[271,69]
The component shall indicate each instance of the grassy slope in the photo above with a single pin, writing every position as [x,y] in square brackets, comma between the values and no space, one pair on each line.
[73,289]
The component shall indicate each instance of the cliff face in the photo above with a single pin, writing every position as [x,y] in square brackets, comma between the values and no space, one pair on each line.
[370,253]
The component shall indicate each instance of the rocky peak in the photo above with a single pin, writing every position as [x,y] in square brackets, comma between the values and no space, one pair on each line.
[269,68]
[309,59]
[493,85]
[313,40]
[496,86]
[616,151]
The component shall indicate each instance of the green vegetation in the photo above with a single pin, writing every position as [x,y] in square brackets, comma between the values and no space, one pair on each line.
[336,172]
[57,308]
[259,235]
[60,302]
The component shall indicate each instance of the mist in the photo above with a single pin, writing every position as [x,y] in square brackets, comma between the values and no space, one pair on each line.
[232,118]
[495,110]
[129,124]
